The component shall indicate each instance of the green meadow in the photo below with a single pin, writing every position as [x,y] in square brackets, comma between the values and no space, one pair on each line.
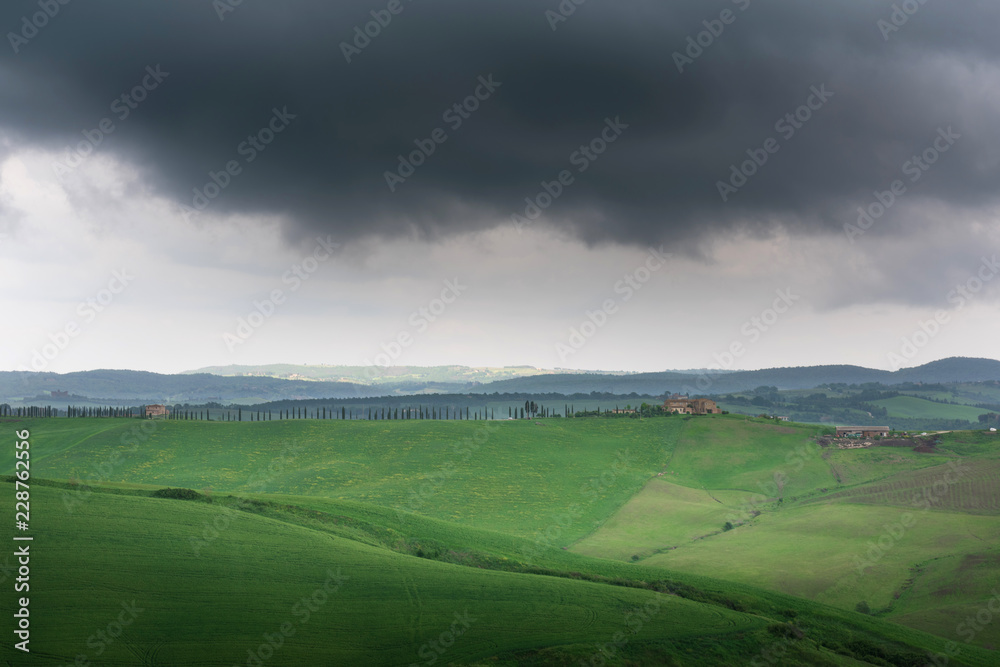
[535,542]
[913,406]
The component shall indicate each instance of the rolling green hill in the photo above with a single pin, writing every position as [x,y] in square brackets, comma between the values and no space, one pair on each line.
[817,535]
[342,602]
[283,582]
[574,472]
[552,534]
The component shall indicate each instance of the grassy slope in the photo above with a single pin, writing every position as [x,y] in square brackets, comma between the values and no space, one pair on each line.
[738,454]
[179,452]
[660,516]
[209,610]
[960,486]
[537,474]
[948,591]
[809,550]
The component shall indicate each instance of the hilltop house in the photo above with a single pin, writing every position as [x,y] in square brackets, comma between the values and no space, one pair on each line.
[691,406]
[156,411]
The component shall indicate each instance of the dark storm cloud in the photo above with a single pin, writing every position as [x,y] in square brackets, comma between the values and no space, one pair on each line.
[608,60]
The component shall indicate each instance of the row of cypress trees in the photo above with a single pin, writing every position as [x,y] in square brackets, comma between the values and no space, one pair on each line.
[529,411]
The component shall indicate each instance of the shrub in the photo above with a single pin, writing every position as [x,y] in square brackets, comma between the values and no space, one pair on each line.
[179,494]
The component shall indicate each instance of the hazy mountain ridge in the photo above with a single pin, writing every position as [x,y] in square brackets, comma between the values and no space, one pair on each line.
[125,385]
[954,369]
[386,375]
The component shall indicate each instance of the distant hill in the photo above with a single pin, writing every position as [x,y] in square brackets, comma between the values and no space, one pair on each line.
[354,382]
[463,375]
[132,386]
[955,369]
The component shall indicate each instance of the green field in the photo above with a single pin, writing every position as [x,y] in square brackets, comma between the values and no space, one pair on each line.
[456,470]
[379,603]
[913,406]
[561,541]
[809,538]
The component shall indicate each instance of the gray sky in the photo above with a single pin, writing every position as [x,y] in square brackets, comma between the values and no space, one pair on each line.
[218,156]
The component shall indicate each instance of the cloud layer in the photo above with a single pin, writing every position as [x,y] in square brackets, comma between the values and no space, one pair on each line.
[555,80]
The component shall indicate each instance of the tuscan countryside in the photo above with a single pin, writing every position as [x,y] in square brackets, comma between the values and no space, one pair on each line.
[503,334]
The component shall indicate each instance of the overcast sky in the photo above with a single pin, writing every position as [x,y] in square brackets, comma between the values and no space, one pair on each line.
[198,183]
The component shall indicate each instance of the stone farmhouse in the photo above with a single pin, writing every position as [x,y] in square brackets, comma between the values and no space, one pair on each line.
[156,411]
[691,406]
